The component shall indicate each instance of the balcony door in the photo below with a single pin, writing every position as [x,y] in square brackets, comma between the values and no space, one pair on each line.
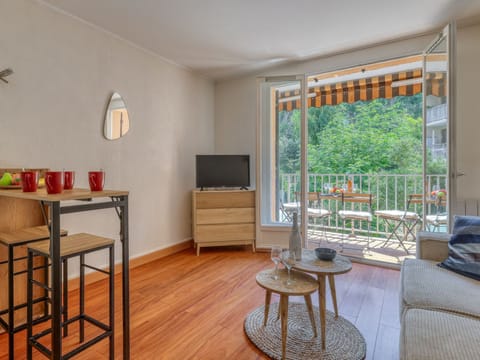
[280,149]
[438,112]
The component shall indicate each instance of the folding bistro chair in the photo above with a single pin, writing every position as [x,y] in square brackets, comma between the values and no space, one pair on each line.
[435,221]
[360,210]
[401,223]
[288,208]
[316,211]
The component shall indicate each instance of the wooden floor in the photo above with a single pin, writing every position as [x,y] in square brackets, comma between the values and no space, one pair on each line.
[189,307]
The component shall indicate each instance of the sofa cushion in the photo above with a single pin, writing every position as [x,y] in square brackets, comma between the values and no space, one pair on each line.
[464,247]
[425,285]
[438,335]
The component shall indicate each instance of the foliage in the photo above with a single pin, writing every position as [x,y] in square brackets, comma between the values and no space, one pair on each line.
[378,136]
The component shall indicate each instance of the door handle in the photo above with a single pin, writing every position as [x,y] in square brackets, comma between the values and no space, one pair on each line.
[460,173]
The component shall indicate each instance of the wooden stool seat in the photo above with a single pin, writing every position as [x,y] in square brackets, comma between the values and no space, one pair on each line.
[17,287]
[301,285]
[72,246]
[26,235]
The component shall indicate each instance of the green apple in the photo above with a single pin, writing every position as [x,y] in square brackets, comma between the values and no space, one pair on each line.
[440,194]
[6,179]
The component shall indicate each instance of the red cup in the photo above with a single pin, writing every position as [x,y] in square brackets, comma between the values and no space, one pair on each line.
[96,179]
[29,181]
[54,182]
[68,180]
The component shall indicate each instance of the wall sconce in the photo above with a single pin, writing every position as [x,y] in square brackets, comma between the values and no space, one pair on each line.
[4,74]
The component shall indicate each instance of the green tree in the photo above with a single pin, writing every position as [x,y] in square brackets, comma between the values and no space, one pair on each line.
[382,135]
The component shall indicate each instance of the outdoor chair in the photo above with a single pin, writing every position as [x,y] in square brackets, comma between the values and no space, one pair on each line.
[401,223]
[356,207]
[288,208]
[315,211]
[435,221]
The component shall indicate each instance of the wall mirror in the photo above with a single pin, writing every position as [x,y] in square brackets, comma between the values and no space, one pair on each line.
[117,122]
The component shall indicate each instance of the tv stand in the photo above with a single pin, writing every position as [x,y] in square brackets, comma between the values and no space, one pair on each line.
[223,218]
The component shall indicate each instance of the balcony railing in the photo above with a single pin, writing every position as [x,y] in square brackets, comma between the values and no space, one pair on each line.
[390,192]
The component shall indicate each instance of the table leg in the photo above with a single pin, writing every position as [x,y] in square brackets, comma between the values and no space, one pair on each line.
[308,301]
[284,317]
[56,280]
[125,278]
[331,281]
[322,306]
[268,297]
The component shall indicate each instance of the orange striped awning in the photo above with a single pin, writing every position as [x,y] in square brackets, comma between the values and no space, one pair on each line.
[363,90]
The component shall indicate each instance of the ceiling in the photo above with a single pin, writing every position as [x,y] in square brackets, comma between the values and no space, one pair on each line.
[224,38]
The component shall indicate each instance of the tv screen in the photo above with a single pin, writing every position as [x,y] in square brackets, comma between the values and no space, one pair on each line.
[223,171]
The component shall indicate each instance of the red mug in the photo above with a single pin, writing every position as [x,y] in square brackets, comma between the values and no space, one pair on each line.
[54,182]
[29,181]
[68,180]
[96,179]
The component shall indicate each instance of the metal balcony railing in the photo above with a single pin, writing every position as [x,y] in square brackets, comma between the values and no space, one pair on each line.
[390,192]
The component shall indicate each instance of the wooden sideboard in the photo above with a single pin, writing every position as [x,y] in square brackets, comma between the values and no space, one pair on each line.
[223,218]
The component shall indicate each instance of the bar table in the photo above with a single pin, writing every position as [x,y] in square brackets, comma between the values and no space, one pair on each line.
[116,199]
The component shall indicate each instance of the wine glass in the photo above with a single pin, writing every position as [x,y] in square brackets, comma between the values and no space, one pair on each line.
[275,255]
[288,260]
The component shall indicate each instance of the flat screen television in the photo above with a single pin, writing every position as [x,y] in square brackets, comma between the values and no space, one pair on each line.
[223,171]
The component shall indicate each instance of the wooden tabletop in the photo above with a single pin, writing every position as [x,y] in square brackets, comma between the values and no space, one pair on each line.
[310,263]
[75,194]
[301,283]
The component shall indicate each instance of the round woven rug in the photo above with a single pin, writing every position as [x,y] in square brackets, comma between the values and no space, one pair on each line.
[343,340]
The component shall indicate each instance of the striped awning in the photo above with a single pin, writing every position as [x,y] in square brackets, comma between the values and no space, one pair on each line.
[364,89]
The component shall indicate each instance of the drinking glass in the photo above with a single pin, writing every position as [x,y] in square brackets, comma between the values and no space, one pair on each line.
[288,260]
[276,258]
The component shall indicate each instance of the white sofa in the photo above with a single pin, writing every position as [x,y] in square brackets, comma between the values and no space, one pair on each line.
[439,309]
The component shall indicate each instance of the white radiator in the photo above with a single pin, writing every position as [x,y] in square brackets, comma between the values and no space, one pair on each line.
[467,207]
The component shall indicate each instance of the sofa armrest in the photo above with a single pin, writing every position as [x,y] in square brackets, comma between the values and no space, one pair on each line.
[432,246]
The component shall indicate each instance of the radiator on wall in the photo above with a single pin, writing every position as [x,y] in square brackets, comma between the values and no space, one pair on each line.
[466,207]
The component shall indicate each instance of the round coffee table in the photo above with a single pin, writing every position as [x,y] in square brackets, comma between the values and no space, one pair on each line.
[301,285]
[311,264]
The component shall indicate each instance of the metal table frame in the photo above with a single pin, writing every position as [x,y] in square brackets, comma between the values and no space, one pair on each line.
[117,200]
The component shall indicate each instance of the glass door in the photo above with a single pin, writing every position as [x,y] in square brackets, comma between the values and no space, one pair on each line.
[438,111]
[280,158]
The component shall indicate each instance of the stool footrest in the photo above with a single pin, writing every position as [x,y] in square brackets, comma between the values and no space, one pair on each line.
[47,352]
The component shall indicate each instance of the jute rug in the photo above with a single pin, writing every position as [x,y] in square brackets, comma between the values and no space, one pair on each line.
[343,340]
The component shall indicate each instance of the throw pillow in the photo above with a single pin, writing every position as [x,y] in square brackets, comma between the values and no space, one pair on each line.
[464,247]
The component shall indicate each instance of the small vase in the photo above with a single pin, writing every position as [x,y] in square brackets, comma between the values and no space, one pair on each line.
[295,240]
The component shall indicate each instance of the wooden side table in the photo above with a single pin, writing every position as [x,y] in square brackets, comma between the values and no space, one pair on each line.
[301,285]
[311,264]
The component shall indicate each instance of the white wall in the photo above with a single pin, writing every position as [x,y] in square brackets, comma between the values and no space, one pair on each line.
[51,115]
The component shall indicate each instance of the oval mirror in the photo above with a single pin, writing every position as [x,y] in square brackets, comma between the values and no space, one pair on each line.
[117,123]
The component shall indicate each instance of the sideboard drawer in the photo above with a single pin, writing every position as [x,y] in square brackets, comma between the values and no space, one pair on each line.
[208,233]
[225,216]
[224,199]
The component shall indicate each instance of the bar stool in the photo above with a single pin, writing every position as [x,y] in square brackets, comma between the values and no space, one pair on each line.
[13,241]
[72,246]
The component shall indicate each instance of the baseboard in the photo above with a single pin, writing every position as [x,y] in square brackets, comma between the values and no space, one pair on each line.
[138,261]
